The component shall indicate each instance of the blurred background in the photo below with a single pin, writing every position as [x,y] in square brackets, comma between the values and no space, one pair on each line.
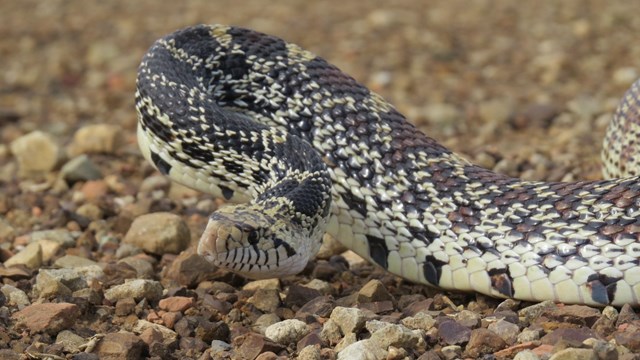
[484,77]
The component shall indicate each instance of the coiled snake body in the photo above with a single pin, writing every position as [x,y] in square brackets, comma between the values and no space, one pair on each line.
[306,150]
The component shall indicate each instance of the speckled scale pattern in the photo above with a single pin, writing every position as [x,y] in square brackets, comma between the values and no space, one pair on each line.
[398,198]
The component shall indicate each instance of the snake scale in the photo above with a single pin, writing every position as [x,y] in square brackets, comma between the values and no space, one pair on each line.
[304,149]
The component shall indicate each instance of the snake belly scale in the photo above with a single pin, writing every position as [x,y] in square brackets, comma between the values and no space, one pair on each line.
[305,150]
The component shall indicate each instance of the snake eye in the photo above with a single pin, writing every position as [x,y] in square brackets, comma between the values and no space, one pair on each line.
[253,237]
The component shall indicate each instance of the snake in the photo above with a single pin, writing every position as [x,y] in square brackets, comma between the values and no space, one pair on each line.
[301,151]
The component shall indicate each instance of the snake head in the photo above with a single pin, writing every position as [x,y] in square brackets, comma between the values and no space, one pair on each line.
[255,243]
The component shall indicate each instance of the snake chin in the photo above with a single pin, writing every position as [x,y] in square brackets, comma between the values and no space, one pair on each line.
[254,244]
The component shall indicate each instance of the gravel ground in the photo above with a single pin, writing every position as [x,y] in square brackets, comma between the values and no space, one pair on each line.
[97,248]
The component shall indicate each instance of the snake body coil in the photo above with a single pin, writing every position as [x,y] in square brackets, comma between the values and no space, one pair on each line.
[307,150]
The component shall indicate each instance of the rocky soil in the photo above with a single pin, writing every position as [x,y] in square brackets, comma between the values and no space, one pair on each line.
[97,248]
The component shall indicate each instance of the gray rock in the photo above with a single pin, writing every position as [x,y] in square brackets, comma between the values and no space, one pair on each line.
[330,332]
[80,168]
[349,320]
[30,256]
[362,350]
[320,285]
[604,349]
[50,288]
[531,312]
[506,330]
[6,230]
[70,341]
[451,352]
[15,296]
[159,233]
[61,236]
[126,250]
[347,340]
[396,335]
[287,331]
[90,211]
[265,300]
[262,284]
[220,346]
[625,76]
[442,115]
[72,261]
[453,333]
[36,142]
[575,354]
[264,321]
[483,341]
[527,335]
[375,325]
[144,269]
[374,291]
[468,318]
[310,353]
[495,110]
[137,289]
[75,279]
[421,321]
[168,335]
[96,138]
[526,355]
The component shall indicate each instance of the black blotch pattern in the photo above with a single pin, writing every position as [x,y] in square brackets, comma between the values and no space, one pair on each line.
[163,166]
[232,167]
[378,250]
[598,289]
[277,242]
[226,192]
[354,203]
[432,269]
[501,281]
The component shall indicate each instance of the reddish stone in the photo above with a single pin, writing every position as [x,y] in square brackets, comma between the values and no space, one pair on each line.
[49,317]
[176,303]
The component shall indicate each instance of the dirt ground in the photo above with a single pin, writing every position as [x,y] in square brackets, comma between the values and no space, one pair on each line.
[524,88]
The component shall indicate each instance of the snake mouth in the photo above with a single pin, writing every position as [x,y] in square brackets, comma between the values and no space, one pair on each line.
[228,245]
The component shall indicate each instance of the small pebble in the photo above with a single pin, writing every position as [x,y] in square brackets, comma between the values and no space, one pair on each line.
[159,233]
[96,138]
[373,291]
[349,320]
[30,256]
[273,284]
[451,352]
[420,321]
[39,143]
[506,330]
[287,331]
[526,355]
[310,353]
[137,289]
[120,345]
[15,296]
[47,317]
[265,300]
[72,261]
[575,354]
[396,335]
[176,303]
[70,341]
[362,350]
[80,168]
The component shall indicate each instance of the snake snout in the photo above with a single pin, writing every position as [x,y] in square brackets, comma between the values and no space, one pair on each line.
[244,247]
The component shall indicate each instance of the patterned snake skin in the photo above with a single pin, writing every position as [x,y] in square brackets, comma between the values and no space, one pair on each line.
[306,150]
